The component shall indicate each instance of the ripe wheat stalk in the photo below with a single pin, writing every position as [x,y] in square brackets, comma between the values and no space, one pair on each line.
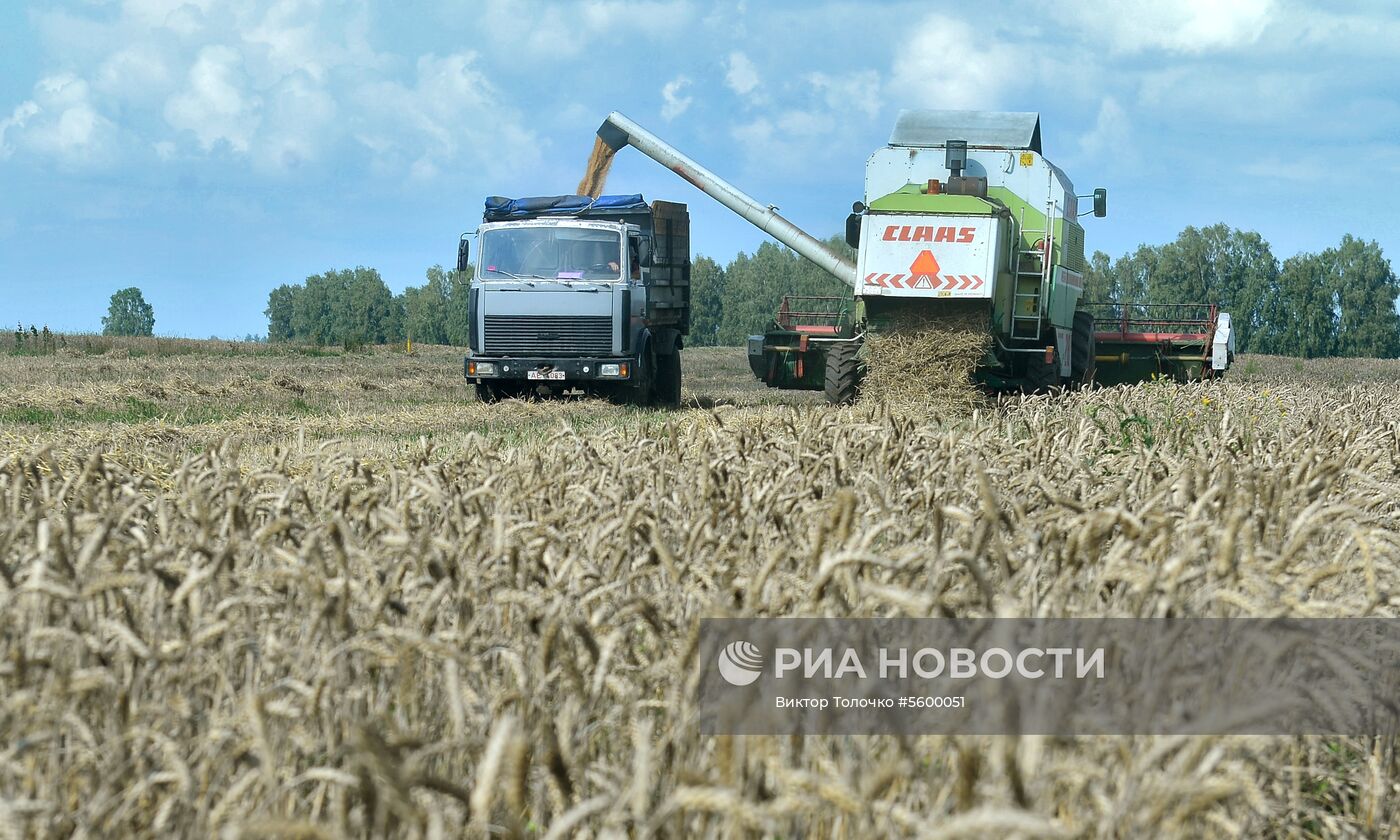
[246,627]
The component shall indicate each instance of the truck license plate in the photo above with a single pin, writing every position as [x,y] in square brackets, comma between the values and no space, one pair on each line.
[540,374]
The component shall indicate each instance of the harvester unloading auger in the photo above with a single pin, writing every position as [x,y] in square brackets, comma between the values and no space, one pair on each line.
[961,211]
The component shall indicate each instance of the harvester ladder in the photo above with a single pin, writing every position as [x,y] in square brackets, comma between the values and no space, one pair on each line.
[1032,279]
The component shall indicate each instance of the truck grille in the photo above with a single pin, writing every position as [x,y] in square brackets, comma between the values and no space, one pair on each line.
[548,335]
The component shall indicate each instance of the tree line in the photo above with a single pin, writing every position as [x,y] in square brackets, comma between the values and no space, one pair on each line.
[353,307]
[1340,302]
[731,302]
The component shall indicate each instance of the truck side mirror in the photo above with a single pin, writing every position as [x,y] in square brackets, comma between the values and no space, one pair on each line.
[463,253]
[644,252]
[853,224]
[1100,203]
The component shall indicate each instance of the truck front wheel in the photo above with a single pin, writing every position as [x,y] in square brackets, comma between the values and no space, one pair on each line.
[642,389]
[487,392]
[492,392]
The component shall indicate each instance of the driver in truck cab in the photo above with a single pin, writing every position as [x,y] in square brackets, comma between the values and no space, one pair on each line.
[636,262]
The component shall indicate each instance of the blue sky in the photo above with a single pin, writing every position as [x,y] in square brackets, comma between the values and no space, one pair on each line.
[208,151]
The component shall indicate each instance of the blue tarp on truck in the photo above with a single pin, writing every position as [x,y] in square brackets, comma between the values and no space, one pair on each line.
[500,208]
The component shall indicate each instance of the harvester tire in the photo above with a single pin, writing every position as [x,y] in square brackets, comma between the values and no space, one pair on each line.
[842,374]
[667,385]
[1082,364]
[1041,375]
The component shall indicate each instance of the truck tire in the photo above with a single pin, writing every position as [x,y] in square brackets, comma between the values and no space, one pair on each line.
[842,384]
[642,390]
[1041,375]
[1085,347]
[667,387]
[492,392]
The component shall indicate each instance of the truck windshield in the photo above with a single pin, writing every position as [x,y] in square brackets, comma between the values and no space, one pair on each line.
[562,253]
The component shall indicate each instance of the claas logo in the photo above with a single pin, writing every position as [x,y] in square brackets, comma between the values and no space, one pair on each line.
[928,233]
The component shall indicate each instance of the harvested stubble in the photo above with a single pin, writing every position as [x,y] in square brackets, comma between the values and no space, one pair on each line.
[922,359]
[277,639]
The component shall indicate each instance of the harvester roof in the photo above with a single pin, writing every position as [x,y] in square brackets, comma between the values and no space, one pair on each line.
[500,208]
[981,129]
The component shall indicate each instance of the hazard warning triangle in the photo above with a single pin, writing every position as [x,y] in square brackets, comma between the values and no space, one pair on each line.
[924,271]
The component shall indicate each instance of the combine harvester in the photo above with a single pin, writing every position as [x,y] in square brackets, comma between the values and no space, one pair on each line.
[962,216]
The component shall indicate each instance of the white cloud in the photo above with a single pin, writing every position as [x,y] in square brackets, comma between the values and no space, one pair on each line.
[183,17]
[1197,92]
[215,104]
[1353,33]
[451,118]
[945,63]
[740,74]
[792,140]
[307,37]
[60,123]
[137,74]
[728,18]
[673,103]
[290,84]
[857,92]
[546,31]
[15,123]
[1111,135]
[1186,26]
[822,123]
[298,116]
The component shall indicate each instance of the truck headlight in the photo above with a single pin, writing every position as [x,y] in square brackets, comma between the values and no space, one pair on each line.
[481,368]
[612,370]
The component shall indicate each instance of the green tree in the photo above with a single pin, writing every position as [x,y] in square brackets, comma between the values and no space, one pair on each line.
[1308,319]
[458,294]
[1098,279]
[1365,288]
[128,313]
[281,308]
[1218,264]
[707,288]
[754,287]
[1124,280]
[313,318]
[349,306]
[435,313]
[368,313]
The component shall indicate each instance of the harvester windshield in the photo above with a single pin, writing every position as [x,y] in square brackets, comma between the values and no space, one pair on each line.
[553,252]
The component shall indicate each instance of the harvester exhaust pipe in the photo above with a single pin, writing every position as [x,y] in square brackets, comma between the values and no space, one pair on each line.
[618,131]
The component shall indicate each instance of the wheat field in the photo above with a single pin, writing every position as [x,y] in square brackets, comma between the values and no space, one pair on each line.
[253,594]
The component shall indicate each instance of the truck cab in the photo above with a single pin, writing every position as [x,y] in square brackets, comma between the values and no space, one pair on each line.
[572,293]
